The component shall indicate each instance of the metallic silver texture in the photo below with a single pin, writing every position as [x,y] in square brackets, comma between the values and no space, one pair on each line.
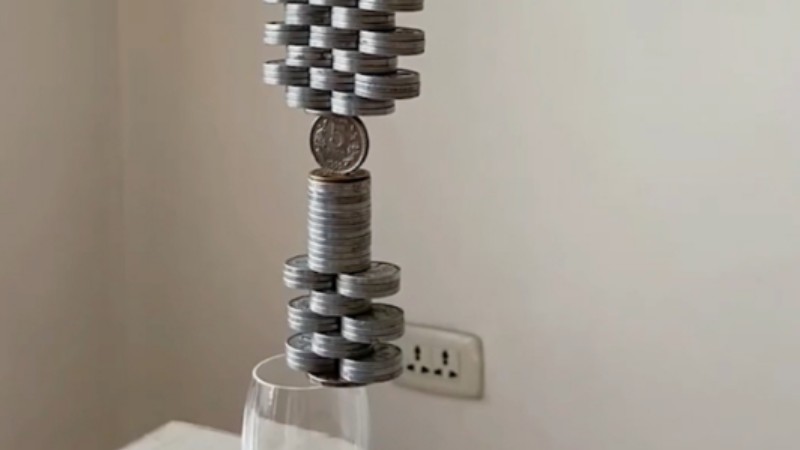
[331,304]
[280,74]
[303,56]
[392,5]
[339,144]
[333,345]
[322,36]
[304,14]
[307,98]
[360,19]
[280,33]
[303,320]
[401,85]
[399,42]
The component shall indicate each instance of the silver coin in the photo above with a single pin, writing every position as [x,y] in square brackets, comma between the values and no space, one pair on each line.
[380,316]
[348,3]
[303,97]
[347,104]
[303,284]
[330,304]
[336,241]
[339,144]
[332,204]
[298,266]
[402,85]
[304,56]
[353,61]
[300,355]
[340,266]
[280,33]
[384,364]
[333,345]
[302,319]
[360,19]
[329,37]
[327,79]
[401,41]
[384,291]
[378,273]
[332,380]
[392,5]
[304,14]
[278,73]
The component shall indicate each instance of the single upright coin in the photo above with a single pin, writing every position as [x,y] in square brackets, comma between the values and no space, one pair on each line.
[339,144]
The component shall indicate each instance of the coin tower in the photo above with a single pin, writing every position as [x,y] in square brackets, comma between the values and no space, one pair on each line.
[341,63]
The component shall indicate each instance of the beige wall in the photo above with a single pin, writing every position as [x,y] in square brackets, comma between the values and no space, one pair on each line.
[60,206]
[605,191]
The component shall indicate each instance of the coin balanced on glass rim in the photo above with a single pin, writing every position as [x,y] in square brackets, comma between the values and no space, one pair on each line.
[340,144]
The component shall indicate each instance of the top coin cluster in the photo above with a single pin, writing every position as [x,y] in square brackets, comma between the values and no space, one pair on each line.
[342,55]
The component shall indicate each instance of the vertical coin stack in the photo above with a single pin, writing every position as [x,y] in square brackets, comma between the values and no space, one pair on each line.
[342,62]
[342,335]
[341,55]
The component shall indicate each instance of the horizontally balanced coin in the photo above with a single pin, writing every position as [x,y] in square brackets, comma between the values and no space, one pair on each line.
[392,5]
[348,3]
[381,323]
[347,104]
[298,275]
[360,19]
[305,14]
[339,144]
[304,56]
[401,85]
[331,380]
[307,98]
[322,36]
[280,33]
[278,73]
[384,364]
[353,61]
[331,304]
[302,319]
[300,355]
[401,41]
[333,345]
[381,280]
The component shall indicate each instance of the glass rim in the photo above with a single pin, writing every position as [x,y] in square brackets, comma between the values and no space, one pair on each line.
[308,385]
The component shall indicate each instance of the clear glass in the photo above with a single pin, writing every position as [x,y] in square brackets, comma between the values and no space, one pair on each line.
[285,411]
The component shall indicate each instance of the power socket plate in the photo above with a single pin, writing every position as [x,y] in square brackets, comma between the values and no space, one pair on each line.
[442,362]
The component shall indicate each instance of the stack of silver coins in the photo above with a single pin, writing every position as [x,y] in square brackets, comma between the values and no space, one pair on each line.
[339,218]
[342,336]
[341,55]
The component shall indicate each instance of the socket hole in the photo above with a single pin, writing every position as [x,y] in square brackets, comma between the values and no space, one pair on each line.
[411,367]
[438,372]
[445,357]
[417,353]
[452,374]
[425,370]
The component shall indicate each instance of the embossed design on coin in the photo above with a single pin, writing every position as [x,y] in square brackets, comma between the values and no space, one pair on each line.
[339,144]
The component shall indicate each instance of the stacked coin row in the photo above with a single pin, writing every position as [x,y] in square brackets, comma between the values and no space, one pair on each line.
[341,334]
[339,218]
[341,55]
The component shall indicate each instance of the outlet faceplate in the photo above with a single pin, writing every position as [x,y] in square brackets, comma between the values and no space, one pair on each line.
[442,362]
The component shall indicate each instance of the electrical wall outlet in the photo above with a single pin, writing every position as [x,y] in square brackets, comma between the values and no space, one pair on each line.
[442,362]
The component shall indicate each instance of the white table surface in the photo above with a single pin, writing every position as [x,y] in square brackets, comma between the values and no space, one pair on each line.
[185,436]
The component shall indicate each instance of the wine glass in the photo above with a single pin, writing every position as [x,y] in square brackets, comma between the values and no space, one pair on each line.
[286,411]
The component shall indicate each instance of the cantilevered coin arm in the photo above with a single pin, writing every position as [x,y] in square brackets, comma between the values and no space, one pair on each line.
[342,62]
